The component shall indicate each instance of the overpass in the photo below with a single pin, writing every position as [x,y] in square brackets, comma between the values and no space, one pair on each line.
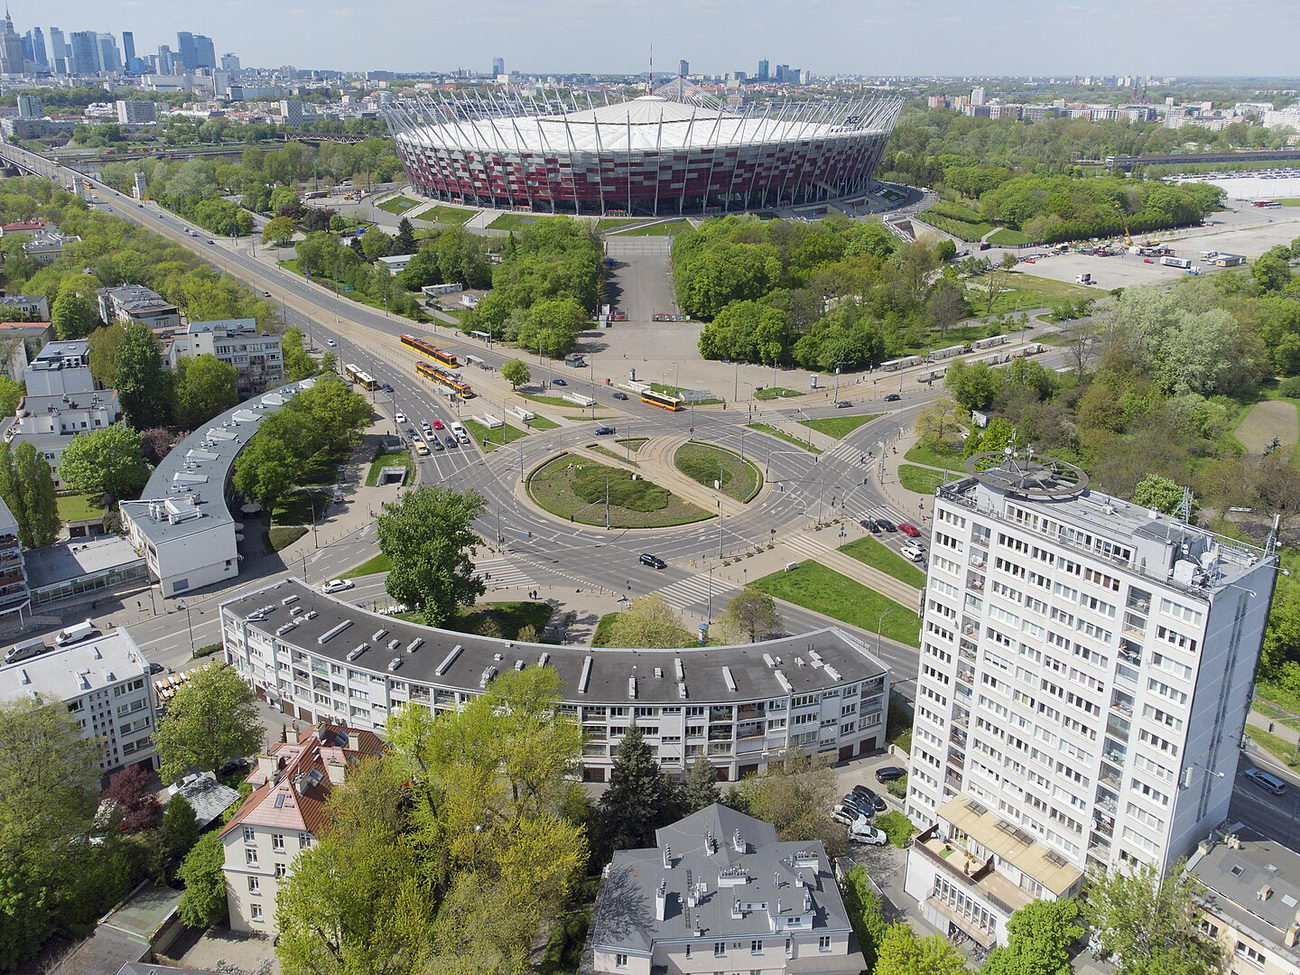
[340,137]
[1282,157]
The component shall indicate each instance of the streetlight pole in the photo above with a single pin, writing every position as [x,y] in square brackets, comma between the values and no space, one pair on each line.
[189,623]
[880,623]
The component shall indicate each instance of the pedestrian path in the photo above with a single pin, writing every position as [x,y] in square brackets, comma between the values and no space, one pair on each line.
[686,593]
[871,577]
[499,572]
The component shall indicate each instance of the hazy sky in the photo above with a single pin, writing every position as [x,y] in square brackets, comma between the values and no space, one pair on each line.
[1180,37]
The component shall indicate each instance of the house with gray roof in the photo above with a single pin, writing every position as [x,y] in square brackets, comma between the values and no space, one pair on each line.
[720,892]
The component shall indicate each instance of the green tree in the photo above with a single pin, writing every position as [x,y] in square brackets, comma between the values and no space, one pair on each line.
[516,373]
[375,244]
[203,904]
[902,952]
[551,327]
[298,364]
[404,242]
[796,794]
[701,786]
[73,314]
[1147,925]
[143,387]
[1039,938]
[211,719]
[104,345]
[939,425]
[1159,493]
[205,387]
[108,461]
[749,617]
[973,384]
[278,231]
[28,490]
[649,622]
[640,798]
[429,537]
[866,912]
[180,827]
[11,391]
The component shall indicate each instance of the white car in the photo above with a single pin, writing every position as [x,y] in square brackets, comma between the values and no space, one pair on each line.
[331,343]
[399,417]
[914,552]
[337,585]
[863,832]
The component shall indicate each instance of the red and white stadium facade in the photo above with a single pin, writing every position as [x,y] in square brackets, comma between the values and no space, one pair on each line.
[650,156]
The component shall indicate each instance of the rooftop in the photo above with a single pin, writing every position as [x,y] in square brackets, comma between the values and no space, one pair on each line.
[53,402]
[206,796]
[72,353]
[69,672]
[226,326]
[136,297]
[293,613]
[1235,873]
[1010,843]
[77,558]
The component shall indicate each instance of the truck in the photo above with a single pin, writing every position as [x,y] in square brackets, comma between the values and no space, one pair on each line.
[575,360]
[1182,262]
[459,432]
[1084,278]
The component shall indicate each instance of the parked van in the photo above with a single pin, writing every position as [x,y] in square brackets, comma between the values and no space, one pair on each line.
[76,633]
[460,432]
[1182,262]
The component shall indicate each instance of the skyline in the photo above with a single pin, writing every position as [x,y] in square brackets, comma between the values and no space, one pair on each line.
[871,37]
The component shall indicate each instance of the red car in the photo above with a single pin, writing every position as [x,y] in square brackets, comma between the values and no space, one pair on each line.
[437,424]
[1147,260]
[911,531]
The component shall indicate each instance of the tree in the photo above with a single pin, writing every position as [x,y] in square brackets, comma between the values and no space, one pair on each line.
[1159,493]
[940,424]
[404,242]
[429,537]
[278,231]
[649,622]
[1039,938]
[375,244]
[180,827]
[1147,924]
[73,314]
[105,343]
[516,373]
[701,786]
[973,384]
[640,798]
[28,490]
[133,799]
[108,461]
[142,386]
[749,617]
[11,391]
[298,364]
[796,794]
[205,387]
[866,912]
[157,443]
[902,952]
[203,904]
[213,718]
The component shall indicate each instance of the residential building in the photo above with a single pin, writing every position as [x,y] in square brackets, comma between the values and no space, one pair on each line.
[136,110]
[396,263]
[50,422]
[284,816]
[15,597]
[1086,670]
[38,306]
[135,303]
[59,368]
[20,342]
[46,246]
[977,96]
[738,706]
[257,355]
[720,890]
[104,681]
[230,64]
[23,227]
[292,112]
[29,106]
[1249,892]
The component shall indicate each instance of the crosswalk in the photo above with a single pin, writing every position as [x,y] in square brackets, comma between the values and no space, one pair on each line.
[693,591]
[499,572]
[802,545]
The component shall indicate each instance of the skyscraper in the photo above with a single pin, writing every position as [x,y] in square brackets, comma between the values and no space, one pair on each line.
[110,59]
[683,68]
[38,47]
[977,96]
[185,49]
[1086,671]
[128,46]
[230,62]
[85,52]
[12,58]
[166,60]
[58,51]
[205,54]
[762,70]
[498,66]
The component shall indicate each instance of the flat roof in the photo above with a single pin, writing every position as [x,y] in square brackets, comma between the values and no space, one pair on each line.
[77,558]
[1235,873]
[811,662]
[69,672]
[1011,843]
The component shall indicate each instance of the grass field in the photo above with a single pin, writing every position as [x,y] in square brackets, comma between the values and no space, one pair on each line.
[880,556]
[668,229]
[445,214]
[490,440]
[1275,745]
[394,458]
[705,464]
[634,443]
[517,221]
[775,392]
[377,563]
[398,204]
[615,223]
[79,507]
[961,229]
[823,590]
[922,453]
[576,488]
[539,422]
[772,431]
[610,452]
[839,427]
[1021,292]
[1006,237]
[922,480]
[1268,420]
[550,400]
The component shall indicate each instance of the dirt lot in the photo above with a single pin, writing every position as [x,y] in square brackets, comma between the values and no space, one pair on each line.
[1267,421]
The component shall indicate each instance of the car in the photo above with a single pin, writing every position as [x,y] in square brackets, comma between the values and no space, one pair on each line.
[871,796]
[211,241]
[886,525]
[604,431]
[331,343]
[892,397]
[908,529]
[914,553]
[870,525]
[654,561]
[387,387]
[436,444]
[841,404]
[399,416]
[870,835]
[424,425]
[861,806]
[140,205]
[337,585]
[155,667]
[266,294]
[619,395]
[1147,260]
[1266,781]
[558,382]
[846,816]
[421,450]
[451,441]
[890,773]
[410,433]
[437,425]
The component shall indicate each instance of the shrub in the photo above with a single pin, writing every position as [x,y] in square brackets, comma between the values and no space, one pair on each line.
[898,788]
[1290,387]
[897,827]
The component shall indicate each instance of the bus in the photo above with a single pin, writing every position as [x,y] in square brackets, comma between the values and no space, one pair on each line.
[362,379]
[424,348]
[446,379]
[661,400]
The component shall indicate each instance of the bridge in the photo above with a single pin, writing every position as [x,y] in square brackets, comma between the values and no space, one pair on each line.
[340,137]
[1282,157]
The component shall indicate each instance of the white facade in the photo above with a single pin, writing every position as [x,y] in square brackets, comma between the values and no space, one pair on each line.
[136,303]
[59,368]
[1086,669]
[257,355]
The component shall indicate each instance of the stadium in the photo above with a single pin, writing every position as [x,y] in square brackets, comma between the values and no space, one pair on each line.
[676,151]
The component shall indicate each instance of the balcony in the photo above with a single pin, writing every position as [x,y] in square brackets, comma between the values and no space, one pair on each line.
[1122,704]
[720,713]
[754,729]
[1106,827]
[977,876]
[720,748]
[720,733]
[748,712]
[966,676]
[1118,728]
[1110,776]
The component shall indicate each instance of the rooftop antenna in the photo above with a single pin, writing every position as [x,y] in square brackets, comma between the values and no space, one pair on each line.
[1185,506]
[650,78]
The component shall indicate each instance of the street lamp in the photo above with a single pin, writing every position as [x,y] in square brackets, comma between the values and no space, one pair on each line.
[189,623]
[880,623]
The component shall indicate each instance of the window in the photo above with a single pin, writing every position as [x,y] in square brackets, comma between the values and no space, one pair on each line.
[277,842]
[255,912]
[620,960]
[254,885]
[249,835]
[719,949]
[250,856]
[1249,954]
[756,946]
[824,943]
[304,840]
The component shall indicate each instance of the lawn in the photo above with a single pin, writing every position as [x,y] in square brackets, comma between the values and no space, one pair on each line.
[668,229]
[839,427]
[922,480]
[706,464]
[1006,237]
[517,221]
[282,536]
[394,458]
[614,223]
[823,590]
[577,488]
[490,440]
[960,229]
[873,553]
[398,204]
[539,422]
[549,400]
[775,392]
[634,443]
[445,214]
[923,453]
[79,507]
[371,566]
[681,391]
[1278,747]
[1021,292]
[601,637]
[772,431]
[608,452]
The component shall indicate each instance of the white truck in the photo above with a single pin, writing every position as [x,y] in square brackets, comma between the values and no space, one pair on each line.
[1183,262]
[459,432]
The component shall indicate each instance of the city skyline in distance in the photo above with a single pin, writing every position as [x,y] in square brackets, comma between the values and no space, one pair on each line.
[874,37]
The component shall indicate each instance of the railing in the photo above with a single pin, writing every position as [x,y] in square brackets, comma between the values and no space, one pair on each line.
[968,880]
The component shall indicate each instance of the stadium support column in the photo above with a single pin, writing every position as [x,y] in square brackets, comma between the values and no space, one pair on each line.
[713,158]
[659,159]
[629,162]
[690,130]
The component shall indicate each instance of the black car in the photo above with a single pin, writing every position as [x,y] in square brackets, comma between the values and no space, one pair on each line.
[892,397]
[858,805]
[451,441]
[890,773]
[604,431]
[155,667]
[870,525]
[386,387]
[435,443]
[886,525]
[869,796]
[618,395]
[410,433]
[841,404]
[654,561]
[558,382]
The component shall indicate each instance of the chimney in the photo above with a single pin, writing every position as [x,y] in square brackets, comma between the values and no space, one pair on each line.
[668,860]
[266,766]
[1292,934]
[710,843]
[1264,893]
[736,912]
[354,740]
[738,842]
[661,900]
[807,900]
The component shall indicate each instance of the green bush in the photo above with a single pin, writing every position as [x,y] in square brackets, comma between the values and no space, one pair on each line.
[897,827]
[898,788]
[1290,388]
[208,651]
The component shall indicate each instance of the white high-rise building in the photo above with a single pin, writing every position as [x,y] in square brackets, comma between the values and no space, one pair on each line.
[1085,675]
[977,96]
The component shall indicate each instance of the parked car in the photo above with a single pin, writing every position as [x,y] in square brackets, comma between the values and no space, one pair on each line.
[604,431]
[654,561]
[870,795]
[619,395]
[410,433]
[1266,781]
[451,441]
[890,773]
[861,806]
[862,832]
[908,529]
[558,382]
[892,397]
[337,585]
[331,343]
[870,525]
[155,667]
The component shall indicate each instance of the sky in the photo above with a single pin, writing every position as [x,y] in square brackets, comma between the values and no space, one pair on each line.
[945,37]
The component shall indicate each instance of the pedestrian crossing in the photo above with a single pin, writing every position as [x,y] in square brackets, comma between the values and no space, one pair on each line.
[694,591]
[499,572]
[802,545]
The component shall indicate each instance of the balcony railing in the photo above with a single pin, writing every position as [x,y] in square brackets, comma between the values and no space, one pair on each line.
[971,880]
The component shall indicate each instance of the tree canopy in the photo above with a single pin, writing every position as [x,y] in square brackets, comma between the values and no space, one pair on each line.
[108,461]
[212,719]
